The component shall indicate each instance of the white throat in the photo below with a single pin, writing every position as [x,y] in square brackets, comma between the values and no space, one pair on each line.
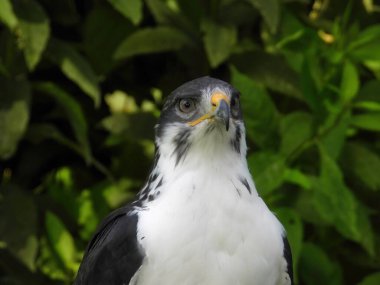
[206,218]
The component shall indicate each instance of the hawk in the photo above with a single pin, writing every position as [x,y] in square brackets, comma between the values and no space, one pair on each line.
[198,219]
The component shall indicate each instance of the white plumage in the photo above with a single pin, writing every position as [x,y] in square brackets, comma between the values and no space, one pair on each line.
[199,219]
[206,227]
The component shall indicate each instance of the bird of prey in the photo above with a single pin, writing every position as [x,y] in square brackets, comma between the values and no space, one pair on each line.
[199,219]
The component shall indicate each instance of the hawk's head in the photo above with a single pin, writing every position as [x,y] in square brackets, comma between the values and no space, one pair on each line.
[202,115]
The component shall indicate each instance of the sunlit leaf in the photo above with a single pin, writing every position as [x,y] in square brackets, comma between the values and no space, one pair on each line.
[75,67]
[120,102]
[14,114]
[7,15]
[48,261]
[133,126]
[87,217]
[61,240]
[270,10]
[33,32]
[152,40]
[131,9]
[349,85]
[219,41]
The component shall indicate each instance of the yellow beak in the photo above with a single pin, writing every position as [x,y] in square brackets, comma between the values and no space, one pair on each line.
[220,109]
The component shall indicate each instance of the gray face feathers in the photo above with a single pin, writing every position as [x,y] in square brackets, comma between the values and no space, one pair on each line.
[198,101]
[200,116]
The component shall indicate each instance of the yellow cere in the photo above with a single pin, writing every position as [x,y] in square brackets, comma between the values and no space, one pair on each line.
[215,100]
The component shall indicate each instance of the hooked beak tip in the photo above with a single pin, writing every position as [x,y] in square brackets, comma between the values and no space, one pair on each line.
[223,113]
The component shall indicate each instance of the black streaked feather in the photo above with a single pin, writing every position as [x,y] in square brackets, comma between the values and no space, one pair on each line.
[288,257]
[244,181]
[102,264]
[182,144]
[236,140]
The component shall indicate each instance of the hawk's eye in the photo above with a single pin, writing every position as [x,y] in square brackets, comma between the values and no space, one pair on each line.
[235,106]
[186,105]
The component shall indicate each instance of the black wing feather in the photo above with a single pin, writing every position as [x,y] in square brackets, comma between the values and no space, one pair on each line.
[112,256]
[288,257]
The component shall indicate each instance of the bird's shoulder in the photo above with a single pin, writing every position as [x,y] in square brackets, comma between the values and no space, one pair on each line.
[113,255]
[287,255]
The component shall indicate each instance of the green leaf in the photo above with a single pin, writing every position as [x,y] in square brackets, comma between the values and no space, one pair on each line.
[363,164]
[333,200]
[292,223]
[372,279]
[334,139]
[73,111]
[270,10]
[7,16]
[368,121]
[87,215]
[366,46]
[369,92]
[219,41]
[369,34]
[132,126]
[310,89]
[316,268]
[169,17]
[268,170]
[75,67]
[349,85]
[49,263]
[99,44]
[271,70]
[33,32]
[18,224]
[131,9]
[260,113]
[152,40]
[296,177]
[61,240]
[337,205]
[367,234]
[37,133]
[14,114]
[295,129]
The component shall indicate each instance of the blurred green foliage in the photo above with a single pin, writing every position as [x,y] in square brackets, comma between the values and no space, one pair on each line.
[81,85]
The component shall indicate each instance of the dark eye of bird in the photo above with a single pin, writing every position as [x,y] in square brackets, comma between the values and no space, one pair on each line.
[186,105]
